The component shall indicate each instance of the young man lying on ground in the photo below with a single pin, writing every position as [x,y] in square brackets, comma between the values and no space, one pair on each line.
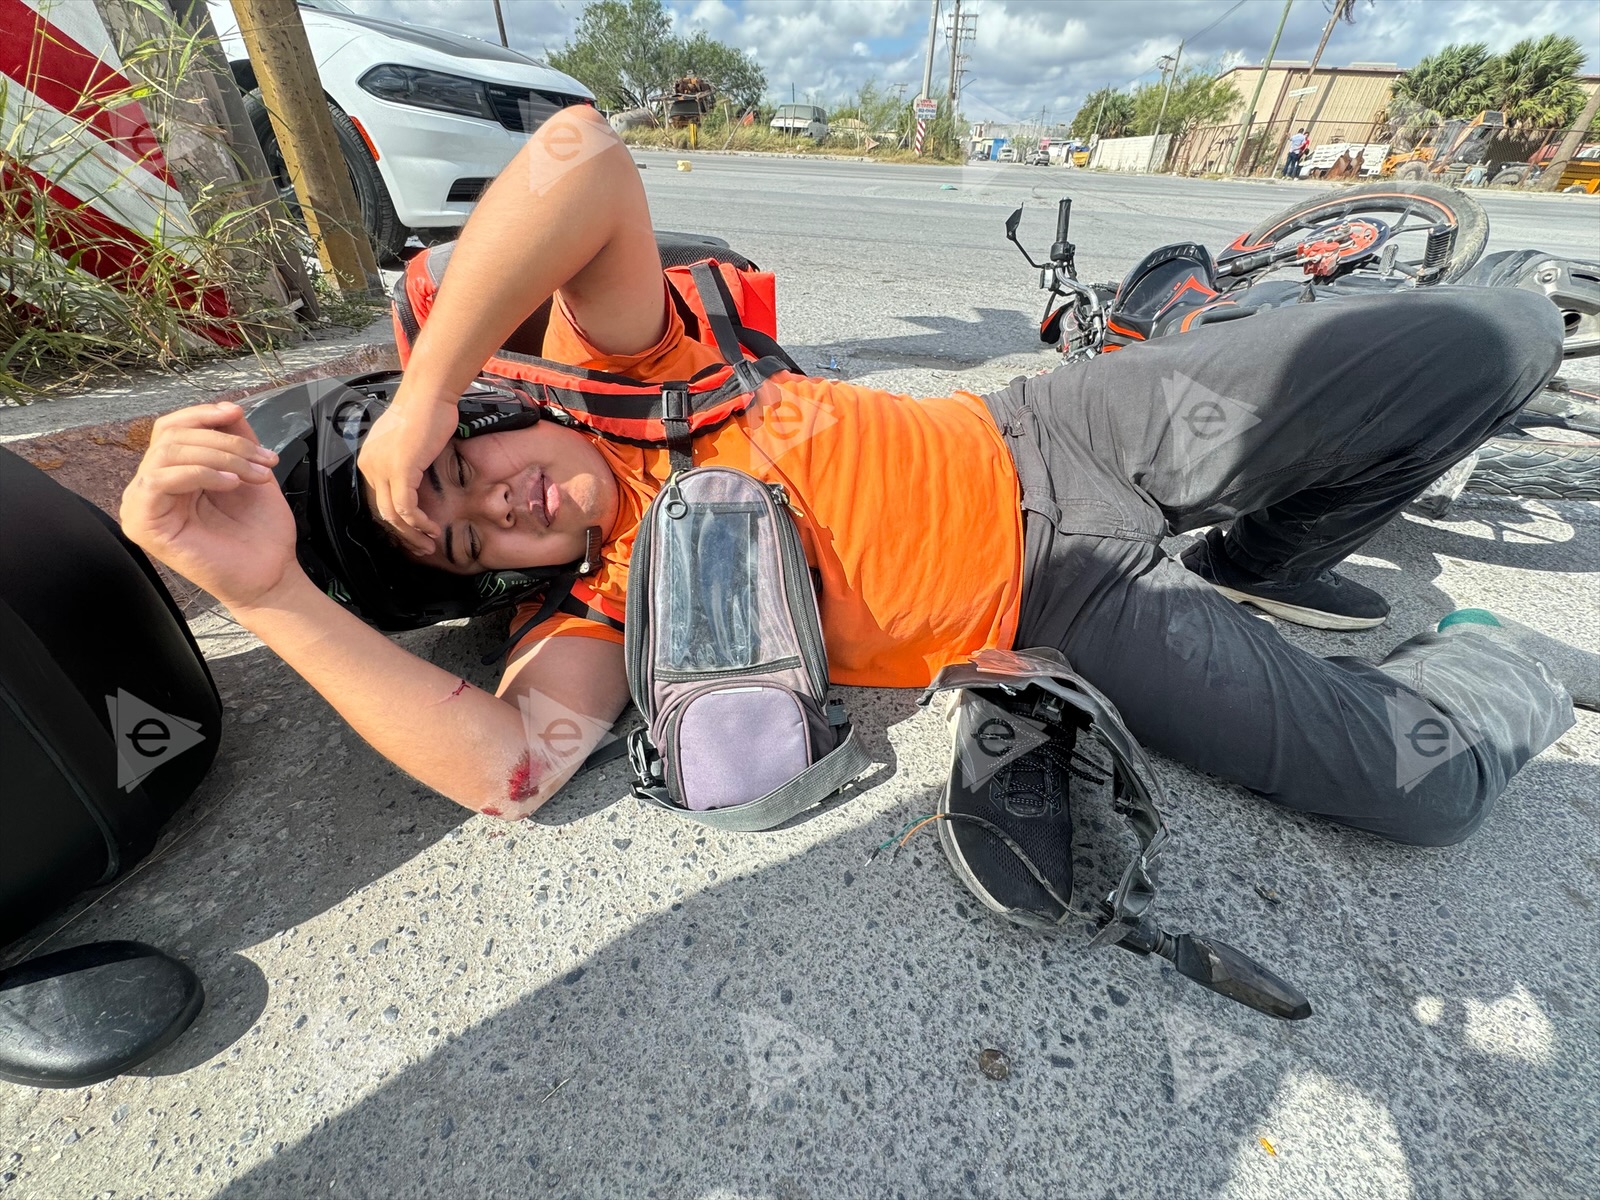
[1032,517]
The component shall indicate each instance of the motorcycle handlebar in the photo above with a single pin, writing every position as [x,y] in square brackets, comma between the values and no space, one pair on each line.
[1063,218]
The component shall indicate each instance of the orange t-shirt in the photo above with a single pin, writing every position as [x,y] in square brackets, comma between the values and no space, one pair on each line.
[907,509]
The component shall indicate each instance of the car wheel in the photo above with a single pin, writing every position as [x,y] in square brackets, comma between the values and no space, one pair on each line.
[378,217]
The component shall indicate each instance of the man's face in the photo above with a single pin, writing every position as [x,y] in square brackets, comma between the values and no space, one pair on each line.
[518,499]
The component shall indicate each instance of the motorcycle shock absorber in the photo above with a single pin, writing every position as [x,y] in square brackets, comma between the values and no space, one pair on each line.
[1441,240]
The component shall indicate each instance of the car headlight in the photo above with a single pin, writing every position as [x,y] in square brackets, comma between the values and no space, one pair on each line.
[428,89]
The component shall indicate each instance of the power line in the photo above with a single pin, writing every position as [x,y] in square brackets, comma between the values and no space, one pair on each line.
[1193,36]
[1217,22]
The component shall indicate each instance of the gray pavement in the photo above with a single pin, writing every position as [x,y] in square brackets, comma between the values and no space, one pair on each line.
[606,1002]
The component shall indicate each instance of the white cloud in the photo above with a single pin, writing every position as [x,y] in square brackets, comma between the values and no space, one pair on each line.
[1029,54]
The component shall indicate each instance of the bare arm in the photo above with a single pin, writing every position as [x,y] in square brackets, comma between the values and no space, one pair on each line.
[567,214]
[205,503]
[502,755]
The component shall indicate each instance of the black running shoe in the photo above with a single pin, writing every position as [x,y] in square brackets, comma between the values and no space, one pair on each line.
[1026,800]
[1330,601]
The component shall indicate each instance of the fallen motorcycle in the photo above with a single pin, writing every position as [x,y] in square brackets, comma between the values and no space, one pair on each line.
[1373,237]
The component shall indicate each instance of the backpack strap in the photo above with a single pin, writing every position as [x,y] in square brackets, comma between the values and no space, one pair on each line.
[806,790]
[675,408]
[730,333]
[555,597]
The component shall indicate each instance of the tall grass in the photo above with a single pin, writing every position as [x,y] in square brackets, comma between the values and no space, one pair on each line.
[61,323]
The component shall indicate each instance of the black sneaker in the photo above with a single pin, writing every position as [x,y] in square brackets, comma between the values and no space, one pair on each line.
[1026,800]
[1330,601]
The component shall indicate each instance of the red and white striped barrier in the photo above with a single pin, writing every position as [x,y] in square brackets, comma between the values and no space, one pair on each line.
[86,153]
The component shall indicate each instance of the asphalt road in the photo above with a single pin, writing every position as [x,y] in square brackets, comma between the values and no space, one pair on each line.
[606,1002]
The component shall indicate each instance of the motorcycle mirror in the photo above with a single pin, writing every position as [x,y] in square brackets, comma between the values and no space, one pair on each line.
[1012,222]
[1234,974]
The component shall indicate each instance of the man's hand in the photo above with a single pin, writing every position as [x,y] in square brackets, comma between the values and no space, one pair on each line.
[403,442]
[204,502]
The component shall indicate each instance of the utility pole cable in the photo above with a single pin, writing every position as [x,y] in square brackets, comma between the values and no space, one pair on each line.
[1250,113]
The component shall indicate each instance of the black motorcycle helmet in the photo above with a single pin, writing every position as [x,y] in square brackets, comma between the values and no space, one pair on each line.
[317,429]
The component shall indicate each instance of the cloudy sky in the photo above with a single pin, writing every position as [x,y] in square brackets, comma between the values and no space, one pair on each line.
[1032,54]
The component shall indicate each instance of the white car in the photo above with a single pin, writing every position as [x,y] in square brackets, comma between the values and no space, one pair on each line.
[425,118]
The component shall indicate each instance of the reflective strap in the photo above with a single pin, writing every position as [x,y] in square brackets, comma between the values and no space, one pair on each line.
[806,790]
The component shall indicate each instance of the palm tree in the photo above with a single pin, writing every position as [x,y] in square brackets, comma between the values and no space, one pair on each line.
[1107,111]
[1453,82]
[1535,82]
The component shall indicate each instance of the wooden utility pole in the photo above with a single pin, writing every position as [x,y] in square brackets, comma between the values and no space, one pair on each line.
[281,56]
[955,57]
[1551,179]
[1250,113]
[933,41]
[1165,96]
[1341,8]
[249,162]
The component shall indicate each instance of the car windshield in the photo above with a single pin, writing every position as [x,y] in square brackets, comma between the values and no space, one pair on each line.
[328,6]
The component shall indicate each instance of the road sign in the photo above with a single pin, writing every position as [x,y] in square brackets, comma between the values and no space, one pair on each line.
[925,109]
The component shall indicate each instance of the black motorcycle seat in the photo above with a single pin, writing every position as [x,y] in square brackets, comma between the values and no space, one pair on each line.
[1170,276]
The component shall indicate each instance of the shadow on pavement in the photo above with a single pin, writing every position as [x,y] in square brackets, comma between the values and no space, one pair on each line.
[813,1029]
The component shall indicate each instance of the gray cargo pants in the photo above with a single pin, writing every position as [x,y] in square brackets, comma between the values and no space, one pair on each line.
[1307,428]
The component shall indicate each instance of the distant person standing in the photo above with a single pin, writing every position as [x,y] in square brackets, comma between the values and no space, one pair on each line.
[1297,149]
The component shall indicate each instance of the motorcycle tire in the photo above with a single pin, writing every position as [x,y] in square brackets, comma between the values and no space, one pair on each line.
[1537,469]
[1434,200]
[378,216]
[1562,406]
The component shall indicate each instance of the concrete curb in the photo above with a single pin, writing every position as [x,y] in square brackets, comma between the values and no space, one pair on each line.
[151,393]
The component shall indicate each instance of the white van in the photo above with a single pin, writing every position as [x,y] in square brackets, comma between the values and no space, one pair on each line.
[802,120]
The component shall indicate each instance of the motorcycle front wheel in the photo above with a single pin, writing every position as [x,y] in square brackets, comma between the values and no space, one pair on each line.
[1410,209]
